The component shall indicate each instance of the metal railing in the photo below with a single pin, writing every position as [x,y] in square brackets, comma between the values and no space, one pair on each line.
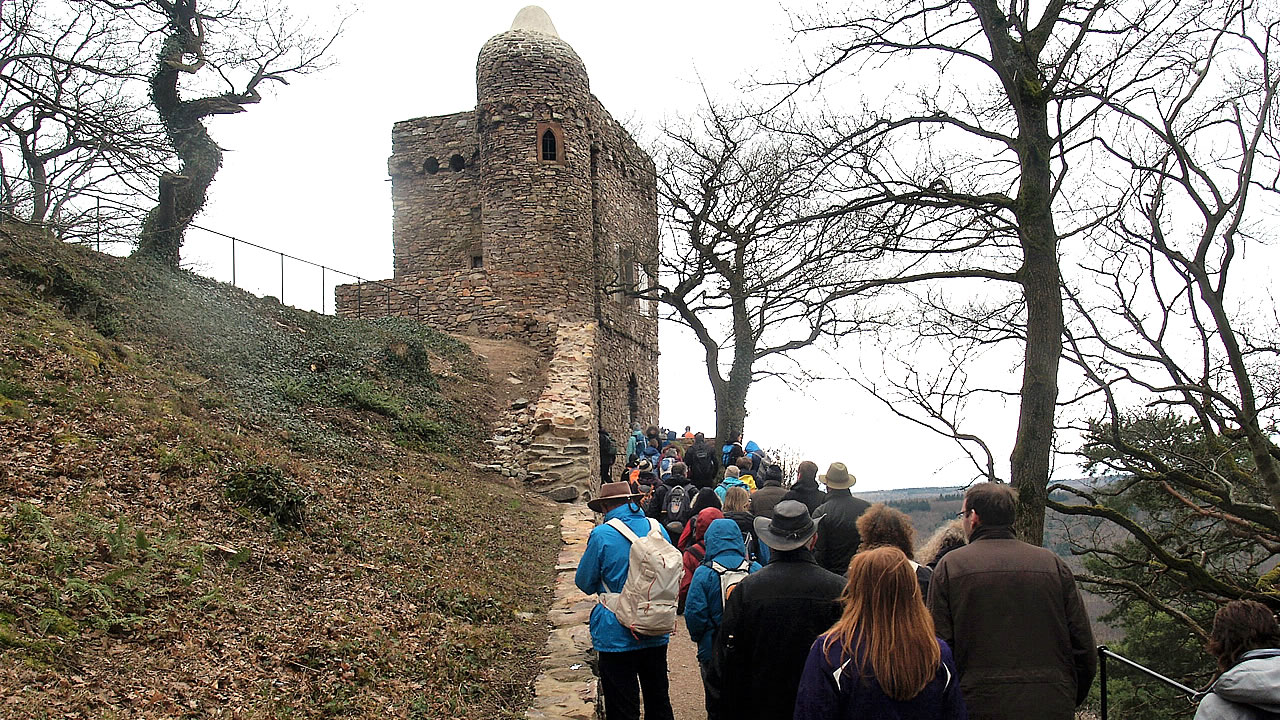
[1104,653]
[360,282]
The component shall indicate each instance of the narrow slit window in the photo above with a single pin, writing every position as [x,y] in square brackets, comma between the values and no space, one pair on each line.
[549,146]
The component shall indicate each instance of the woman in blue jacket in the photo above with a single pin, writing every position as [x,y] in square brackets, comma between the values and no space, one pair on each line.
[724,563]
[881,659]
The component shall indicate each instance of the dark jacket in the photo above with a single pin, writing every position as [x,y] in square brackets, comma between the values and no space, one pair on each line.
[764,499]
[835,686]
[658,502]
[770,621]
[747,528]
[807,492]
[838,534]
[1014,618]
[701,472]
[706,498]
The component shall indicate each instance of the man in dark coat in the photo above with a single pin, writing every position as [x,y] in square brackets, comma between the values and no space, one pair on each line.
[1013,616]
[771,619]
[702,461]
[805,489]
[840,513]
[769,493]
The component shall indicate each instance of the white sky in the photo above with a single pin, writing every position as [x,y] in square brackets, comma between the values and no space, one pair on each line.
[305,173]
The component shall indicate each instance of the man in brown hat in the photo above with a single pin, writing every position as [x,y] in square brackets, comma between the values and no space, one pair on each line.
[630,663]
[839,515]
[772,618]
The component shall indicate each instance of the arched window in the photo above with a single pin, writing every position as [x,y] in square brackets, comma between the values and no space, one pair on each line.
[549,146]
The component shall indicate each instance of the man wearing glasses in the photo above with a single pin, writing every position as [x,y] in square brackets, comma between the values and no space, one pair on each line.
[1013,616]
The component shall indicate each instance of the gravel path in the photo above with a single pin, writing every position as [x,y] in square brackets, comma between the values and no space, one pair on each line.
[686,681]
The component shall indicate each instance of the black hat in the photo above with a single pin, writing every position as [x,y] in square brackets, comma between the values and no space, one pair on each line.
[790,527]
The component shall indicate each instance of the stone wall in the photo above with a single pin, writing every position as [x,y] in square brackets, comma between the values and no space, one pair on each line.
[460,301]
[625,218]
[494,239]
[564,450]
[435,199]
[536,214]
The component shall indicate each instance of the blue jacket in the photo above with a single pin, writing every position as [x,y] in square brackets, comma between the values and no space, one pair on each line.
[704,606]
[729,482]
[603,568]
[832,688]
[635,443]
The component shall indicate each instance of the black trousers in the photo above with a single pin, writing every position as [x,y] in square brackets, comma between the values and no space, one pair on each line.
[624,676]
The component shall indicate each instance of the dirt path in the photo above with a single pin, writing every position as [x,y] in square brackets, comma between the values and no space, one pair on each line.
[686,681]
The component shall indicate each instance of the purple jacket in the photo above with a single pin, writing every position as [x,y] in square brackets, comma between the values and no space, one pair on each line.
[832,688]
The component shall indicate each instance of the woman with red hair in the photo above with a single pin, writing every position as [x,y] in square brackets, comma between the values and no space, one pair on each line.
[881,659]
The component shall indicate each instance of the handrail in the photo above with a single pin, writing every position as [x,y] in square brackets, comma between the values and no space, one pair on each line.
[360,282]
[1104,653]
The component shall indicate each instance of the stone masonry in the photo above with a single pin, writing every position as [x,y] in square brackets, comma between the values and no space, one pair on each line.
[524,217]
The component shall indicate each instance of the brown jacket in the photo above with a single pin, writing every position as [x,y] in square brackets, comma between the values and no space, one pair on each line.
[1014,618]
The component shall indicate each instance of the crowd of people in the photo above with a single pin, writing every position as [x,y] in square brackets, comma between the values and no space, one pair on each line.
[806,601]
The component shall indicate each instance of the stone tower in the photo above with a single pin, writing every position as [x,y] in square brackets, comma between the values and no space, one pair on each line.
[522,219]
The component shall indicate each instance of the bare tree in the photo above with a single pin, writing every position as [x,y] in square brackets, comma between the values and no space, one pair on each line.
[1175,335]
[752,263]
[227,54]
[992,109]
[73,119]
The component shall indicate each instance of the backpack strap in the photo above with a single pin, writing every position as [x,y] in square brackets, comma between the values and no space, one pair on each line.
[621,527]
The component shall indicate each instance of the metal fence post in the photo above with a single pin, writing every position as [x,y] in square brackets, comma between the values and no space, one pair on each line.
[359,293]
[1102,678]
[233,262]
[322,298]
[281,278]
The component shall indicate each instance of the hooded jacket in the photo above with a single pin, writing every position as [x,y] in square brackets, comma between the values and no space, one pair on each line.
[1245,691]
[807,492]
[697,550]
[704,607]
[603,568]
[770,622]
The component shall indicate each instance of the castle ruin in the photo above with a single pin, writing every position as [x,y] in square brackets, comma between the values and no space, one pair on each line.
[522,219]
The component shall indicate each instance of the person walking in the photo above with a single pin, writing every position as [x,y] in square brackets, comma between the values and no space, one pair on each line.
[724,565]
[881,659]
[701,460]
[770,493]
[840,539]
[882,525]
[805,489]
[772,618]
[630,663]
[1012,614]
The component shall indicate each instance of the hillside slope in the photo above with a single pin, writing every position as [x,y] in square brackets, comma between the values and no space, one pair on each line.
[215,506]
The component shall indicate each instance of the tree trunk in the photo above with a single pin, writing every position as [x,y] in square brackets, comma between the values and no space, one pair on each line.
[1018,66]
[182,196]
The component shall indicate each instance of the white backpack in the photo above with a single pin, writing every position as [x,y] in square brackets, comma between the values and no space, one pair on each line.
[730,577]
[647,603]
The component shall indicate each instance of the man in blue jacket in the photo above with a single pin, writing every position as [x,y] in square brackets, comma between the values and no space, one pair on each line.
[630,664]
[705,605]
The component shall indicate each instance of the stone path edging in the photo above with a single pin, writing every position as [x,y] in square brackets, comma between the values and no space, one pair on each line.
[566,688]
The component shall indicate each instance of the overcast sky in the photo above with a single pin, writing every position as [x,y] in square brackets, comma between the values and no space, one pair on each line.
[305,173]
